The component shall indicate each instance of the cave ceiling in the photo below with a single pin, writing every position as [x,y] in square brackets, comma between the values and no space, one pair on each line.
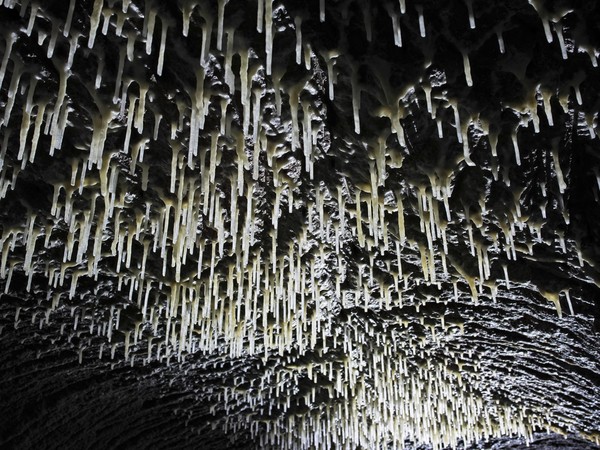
[299,224]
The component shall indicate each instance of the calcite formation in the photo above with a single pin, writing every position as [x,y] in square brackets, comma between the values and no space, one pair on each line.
[331,223]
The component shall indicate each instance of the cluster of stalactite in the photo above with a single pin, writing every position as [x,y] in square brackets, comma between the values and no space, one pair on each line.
[183,178]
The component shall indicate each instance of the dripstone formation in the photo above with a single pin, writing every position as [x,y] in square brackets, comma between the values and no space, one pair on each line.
[299,224]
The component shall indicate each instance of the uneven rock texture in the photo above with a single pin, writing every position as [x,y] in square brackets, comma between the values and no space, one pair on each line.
[299,224]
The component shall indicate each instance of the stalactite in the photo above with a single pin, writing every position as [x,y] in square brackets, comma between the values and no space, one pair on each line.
[95,21]
[199,238]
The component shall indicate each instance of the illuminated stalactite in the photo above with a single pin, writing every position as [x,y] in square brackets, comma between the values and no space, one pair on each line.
[187,179]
